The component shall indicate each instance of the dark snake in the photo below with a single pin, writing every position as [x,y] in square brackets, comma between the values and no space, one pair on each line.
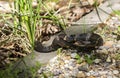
[81,41]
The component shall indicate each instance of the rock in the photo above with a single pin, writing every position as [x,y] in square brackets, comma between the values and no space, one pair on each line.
[81,74]
[61,76]
[88,74]
[83,67]
[97,61]
[108,44]
[91,77]
[104,50]
[109,73]
[102,72]
[72,62]
[117,45]
[118,64]
[56,72]
[108,59]
[74,72]
[67,75]
[95,73]
[115,72]
[109,76]
[67,57]
[41,70]
[112,49]
[73,55]
[115,77]
[66,61]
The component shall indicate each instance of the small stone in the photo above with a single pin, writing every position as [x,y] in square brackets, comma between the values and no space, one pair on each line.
[67,75]
[74,72]
[108,59]
[103,76]
[72,62]
[118,64]
[62,63]
[111,49]
[104,50]
[97,61]
[115,72]
[70,67]
[117,45]
[55,76]
[115,76]
[56,72]
[83,67]
[91,77]
[68,53]
[73,55]
[102,72]
[109,73]
[66,61]
[61,76]
[66,66]
[81,75]
[109,76]
[88,74]
[108,44]
[94,73]
[67,58]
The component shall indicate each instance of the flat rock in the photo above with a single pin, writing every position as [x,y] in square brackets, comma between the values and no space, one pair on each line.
[32,59]
[93,17]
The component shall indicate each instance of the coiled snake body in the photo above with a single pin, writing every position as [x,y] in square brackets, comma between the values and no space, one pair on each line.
[75,41]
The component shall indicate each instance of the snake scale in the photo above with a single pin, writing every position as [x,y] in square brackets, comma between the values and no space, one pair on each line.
[71,39]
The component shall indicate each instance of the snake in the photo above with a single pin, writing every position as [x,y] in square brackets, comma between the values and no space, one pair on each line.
[74,38]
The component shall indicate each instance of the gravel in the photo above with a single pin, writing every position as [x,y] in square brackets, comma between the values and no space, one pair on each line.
[60,67]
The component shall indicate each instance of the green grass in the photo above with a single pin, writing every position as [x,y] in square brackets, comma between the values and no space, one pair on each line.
[24,17]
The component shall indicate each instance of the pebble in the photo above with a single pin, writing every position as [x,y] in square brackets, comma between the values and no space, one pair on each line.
[88,74]
[95,74]
[74,72]
[91,77]
[97,61]
[73,55]
[83,67]
[81,75]
[109,73]
[108,44]
[108,59]
[115,72]
[118,45]
[104,50]
[66,61]
[109,76]
[61,76]
[102,72]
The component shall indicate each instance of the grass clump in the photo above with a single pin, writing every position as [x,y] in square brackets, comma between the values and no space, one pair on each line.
[25,18]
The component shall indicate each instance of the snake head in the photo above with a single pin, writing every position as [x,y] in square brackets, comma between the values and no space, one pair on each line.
[88,40]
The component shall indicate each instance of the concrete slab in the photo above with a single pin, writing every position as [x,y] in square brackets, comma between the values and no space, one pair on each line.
[106,6]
